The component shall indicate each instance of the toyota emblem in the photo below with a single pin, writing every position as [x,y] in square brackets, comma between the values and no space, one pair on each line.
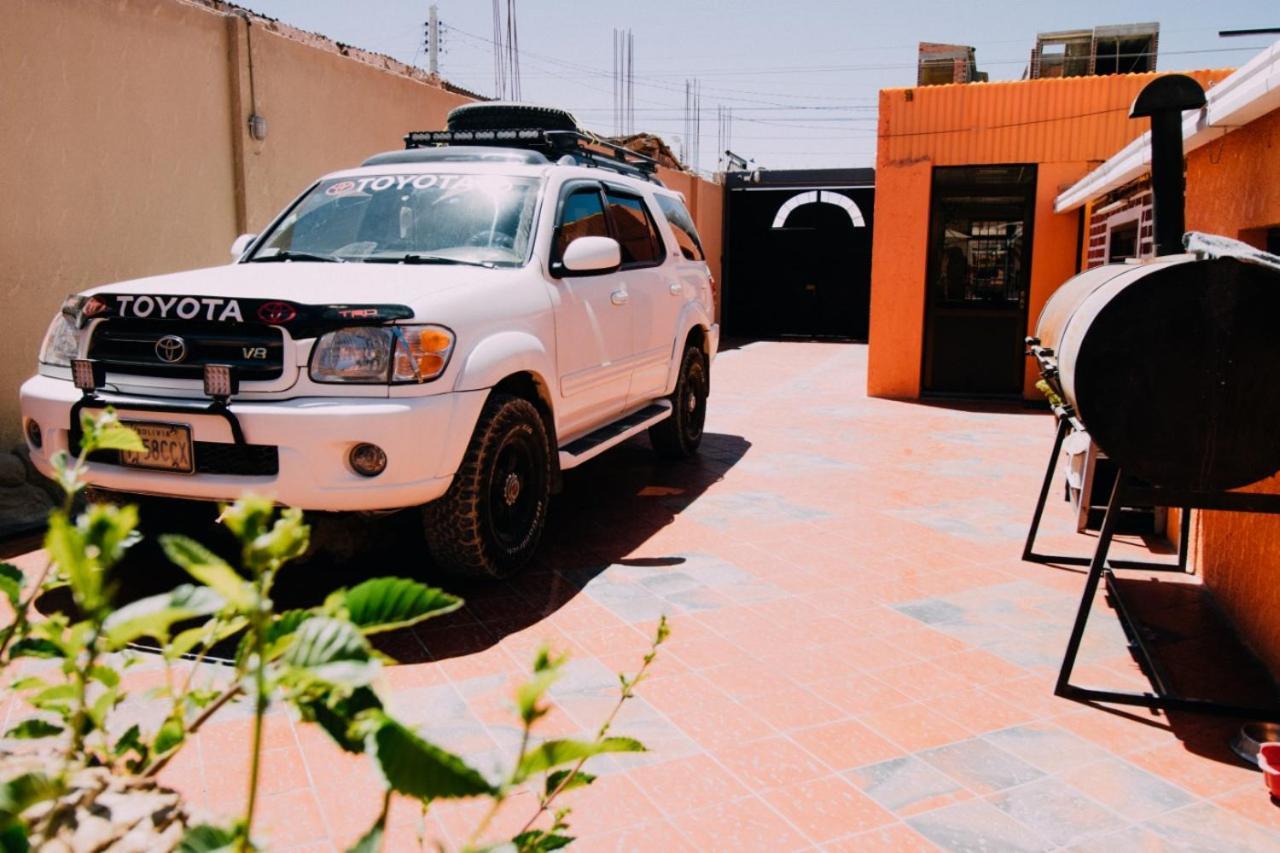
[276,313]
[171,349]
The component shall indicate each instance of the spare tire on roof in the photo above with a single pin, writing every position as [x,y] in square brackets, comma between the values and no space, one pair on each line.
[496,115]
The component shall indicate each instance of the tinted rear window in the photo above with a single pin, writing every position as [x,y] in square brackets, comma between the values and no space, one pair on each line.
[682,224]
[636,231]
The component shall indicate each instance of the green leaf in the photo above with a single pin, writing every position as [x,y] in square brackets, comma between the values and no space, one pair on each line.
[420,769]
[553,753]
[130,740]
[105,675]
[14,839]
[155,615]
[65,544]
[207,838]
[385,604]
[171,734]
[11,578]
[208,568]
[33,728]
[540,841]
[22,792]
[336,716]
[53,696]
[35,647]
[108,532]
[114,435]
[371,841]
[579,779]
[332,651]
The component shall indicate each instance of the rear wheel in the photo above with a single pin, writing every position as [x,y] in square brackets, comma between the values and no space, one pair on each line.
[489,522]
[678,436]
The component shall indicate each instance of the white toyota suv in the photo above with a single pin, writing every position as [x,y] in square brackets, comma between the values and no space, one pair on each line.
[445,327]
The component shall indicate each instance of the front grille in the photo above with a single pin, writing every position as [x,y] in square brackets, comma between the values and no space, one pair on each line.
[215,457]
[254,350]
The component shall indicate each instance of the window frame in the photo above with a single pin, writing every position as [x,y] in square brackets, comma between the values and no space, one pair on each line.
[661,245]
[555,266]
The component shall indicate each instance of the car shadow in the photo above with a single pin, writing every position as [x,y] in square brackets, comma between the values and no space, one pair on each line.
[609,506]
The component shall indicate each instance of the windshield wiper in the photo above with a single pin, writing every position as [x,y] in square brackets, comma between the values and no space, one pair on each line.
[296,256]
[428,259]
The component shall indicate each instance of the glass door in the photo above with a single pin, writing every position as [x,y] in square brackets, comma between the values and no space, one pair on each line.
[978,279]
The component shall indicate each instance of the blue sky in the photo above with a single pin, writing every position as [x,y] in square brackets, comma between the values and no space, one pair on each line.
[800,77]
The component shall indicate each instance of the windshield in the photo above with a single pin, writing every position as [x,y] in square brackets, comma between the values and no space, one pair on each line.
[486,219]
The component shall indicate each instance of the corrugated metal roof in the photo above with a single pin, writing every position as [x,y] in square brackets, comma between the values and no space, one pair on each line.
[1021,121]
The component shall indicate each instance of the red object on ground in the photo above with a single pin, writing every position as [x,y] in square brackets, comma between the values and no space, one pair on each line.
[1269,761]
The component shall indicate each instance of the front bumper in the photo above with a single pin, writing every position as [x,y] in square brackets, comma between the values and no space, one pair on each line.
[424,438]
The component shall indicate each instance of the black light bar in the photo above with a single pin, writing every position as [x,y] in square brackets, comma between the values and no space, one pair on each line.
[584,146]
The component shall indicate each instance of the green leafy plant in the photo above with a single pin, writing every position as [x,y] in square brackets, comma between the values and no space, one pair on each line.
[318,660]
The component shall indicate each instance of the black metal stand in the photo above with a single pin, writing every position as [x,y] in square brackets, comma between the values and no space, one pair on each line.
[1066,422]
[1128,493]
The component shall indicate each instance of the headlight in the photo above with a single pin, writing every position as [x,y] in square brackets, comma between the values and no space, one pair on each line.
[381,354]
[61,342]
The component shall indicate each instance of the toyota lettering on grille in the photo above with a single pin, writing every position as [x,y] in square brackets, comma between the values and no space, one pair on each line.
[171,349]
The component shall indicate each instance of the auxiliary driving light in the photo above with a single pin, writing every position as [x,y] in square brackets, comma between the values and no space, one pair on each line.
[368,460]
[34,434]
[87,374]
[219,381]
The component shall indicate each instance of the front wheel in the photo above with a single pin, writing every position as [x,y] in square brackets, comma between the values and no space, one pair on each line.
[489,522]
[678,436]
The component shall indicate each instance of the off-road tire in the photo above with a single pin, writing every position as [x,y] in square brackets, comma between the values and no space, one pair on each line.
[497,115]
[480,529]
[678,436]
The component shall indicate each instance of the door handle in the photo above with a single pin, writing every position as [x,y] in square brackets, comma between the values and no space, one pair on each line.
[619,297]
[676,288]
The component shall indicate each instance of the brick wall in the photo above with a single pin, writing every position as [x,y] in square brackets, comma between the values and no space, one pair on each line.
[1117,209]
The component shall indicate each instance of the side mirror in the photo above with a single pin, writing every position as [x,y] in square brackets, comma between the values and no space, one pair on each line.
[241,244]
[591,256]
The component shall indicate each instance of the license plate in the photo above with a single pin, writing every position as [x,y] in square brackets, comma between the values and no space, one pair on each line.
[168,447]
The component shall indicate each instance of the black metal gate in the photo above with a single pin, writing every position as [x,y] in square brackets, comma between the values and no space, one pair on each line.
[798,253]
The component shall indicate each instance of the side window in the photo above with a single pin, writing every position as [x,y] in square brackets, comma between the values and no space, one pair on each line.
[581,216]
[682,224]
[636,232]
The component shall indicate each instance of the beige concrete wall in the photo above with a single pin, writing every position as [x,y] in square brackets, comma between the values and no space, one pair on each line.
[114,149]
[125,152]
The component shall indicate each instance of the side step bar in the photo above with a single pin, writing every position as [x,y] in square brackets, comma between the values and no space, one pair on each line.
[593,444]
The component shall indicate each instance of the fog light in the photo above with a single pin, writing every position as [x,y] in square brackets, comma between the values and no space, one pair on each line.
[368,460]
[34,435]
[87,374]
[219,381]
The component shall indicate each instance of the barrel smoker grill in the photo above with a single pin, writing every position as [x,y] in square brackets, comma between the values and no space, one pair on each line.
[1172,367]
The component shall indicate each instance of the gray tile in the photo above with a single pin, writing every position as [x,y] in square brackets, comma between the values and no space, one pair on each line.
[1046,746]
[980,766]
[932,611]
[976,827]
[1208,828]
[1058,812]
[902,783]
[1127,790]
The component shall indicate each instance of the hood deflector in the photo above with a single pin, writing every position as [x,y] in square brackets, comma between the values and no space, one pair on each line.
[300,319]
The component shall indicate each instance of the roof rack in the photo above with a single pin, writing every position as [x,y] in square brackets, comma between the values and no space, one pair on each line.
[585,149]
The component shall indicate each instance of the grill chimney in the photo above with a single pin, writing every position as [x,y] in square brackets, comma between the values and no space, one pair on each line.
[1164,99]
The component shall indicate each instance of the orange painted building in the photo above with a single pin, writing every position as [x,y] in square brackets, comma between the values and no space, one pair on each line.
[967,246]
[1233,189]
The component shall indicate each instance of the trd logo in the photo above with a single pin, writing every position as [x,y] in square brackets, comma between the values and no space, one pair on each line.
[255,352]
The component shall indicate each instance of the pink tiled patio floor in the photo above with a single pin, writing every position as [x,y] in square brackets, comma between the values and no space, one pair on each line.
[858,659]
